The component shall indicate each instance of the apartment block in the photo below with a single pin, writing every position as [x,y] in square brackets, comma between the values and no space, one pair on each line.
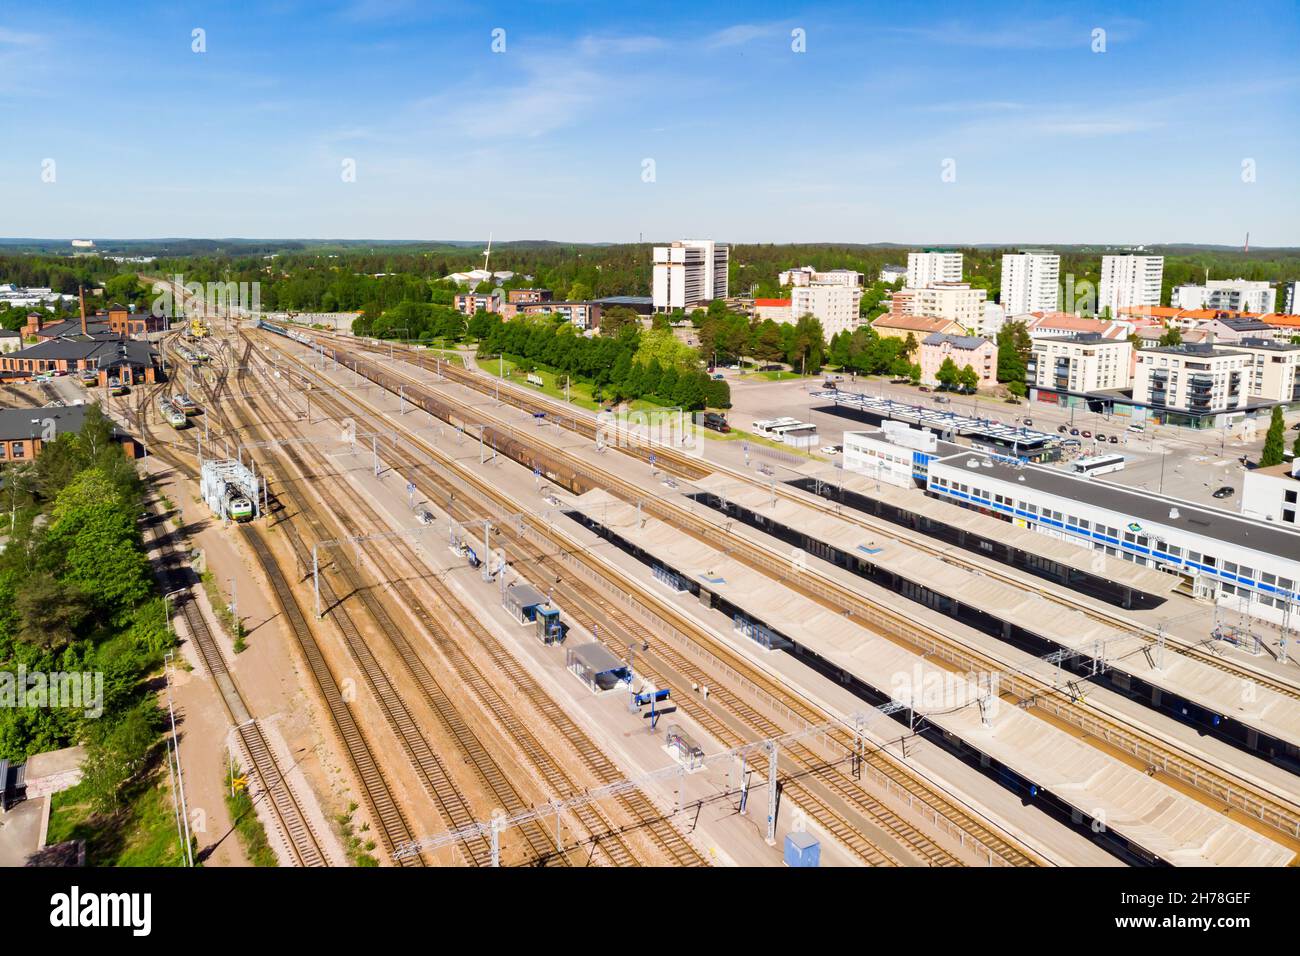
[1030,281]
[1272,373]
[933,265]
[1195,382]
[980,354]
[955,301]
[807,275]
[1226,295]
[1079,364]
[1128,281]
[689,273]
[835,306]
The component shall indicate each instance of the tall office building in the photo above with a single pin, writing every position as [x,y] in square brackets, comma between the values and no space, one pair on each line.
[1129,281]
[1030,281]
[688,273]
[932,266]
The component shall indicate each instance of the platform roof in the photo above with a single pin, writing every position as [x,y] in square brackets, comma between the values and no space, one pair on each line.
[597,658]
[1219,690]
[1097,563]
[1176,827]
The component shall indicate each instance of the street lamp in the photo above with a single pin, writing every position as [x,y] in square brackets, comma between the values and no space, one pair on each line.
[166,612]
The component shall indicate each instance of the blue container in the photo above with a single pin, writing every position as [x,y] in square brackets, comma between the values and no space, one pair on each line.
[802,849]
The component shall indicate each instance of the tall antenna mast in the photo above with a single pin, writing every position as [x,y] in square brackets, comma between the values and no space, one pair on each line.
[487,254]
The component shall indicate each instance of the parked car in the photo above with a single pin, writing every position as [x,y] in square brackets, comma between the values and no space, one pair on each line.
[718,377]
[905,381]
[1074,431]
[1028,422]
[1062,429]
[1085,433]
[1013,400]
[830,449]
[1227,491]
[1135,427]
[924,388]
[426,517]
[942,399]
[1100,436]
[1114,440]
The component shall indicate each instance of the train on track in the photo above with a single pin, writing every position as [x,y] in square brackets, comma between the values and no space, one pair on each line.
[287,332]
[186,404]
[172,415]
[117,387]
[239,507]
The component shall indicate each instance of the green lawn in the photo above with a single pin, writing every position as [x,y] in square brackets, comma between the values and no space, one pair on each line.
[141,833]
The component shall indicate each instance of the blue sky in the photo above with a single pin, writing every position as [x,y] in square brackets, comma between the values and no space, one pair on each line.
[750,140]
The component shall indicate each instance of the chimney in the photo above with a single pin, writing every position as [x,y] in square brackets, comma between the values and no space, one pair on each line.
[81,294]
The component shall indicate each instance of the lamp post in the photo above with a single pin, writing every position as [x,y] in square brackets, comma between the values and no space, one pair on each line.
[166,611]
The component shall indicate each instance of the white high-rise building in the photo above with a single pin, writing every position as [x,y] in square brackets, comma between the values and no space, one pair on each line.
[1129,281]
[833,304]
[1291,298]
[956,301]
[1228,295]
[932,266]
[1030,281]
[688,273]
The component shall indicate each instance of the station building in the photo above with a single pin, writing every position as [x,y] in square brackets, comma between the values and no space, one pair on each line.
[1248,564]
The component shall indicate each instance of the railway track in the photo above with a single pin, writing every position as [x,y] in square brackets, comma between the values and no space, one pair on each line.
[301,841]
[807,762]
[687,467]
[606,834]
[1222,785]
[381,804]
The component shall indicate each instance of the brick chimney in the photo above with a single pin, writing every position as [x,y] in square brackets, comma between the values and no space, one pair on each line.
[81,294]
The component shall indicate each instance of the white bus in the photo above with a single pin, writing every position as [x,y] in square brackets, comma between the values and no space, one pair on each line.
[768,426]
[1098,464]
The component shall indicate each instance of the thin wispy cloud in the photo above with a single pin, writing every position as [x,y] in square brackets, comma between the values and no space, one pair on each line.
[739,35]
[1054,33]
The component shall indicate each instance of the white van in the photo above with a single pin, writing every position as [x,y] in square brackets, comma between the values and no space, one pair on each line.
[1137,427]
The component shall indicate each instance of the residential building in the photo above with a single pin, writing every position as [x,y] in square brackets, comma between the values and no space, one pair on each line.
[778,310]
[470,303]
[992,318]
[980,354]
[900,301]
[889,326]
[1291,296]
[1128,281]
[1030,281]
[1229,295]
[956,301]
[583,315]
[1271,375]
[526,296]
[1228,330]
[835,306]
[1192,384]
[689,272]
[932,265]
[1272,493]
[1078,364]
[807,275]
[892,274]
[1055,325]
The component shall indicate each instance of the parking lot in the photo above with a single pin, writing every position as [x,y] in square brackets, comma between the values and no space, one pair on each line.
[1163,459]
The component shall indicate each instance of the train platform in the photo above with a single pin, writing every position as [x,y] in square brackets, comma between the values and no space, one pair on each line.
[961,591]
[1176,828]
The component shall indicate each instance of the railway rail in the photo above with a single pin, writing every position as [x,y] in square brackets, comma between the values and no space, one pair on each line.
[808,763]
[1224,785]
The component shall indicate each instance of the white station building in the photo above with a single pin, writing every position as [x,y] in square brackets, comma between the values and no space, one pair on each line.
[1241,562]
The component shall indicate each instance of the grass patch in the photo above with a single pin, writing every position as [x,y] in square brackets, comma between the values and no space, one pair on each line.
[358,848]
[252,835]
[552,383]
[232,625]
[141,833]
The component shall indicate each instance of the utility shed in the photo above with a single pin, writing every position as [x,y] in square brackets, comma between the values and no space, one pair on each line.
[597,667]
[522,601]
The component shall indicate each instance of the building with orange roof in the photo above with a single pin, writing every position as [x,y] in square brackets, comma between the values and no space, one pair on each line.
[891,326]
[1043,325]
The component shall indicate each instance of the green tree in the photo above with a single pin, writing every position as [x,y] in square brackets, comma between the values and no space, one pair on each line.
[1273,453]
[948,375]
[1014,345]
[969,379]
[1172,336]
